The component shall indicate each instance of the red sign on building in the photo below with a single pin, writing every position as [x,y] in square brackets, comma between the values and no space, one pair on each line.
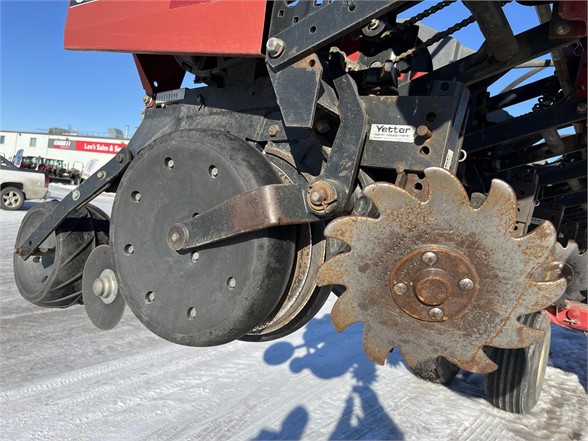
[86,146]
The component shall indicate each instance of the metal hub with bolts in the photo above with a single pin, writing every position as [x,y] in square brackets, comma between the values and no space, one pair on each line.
[433,283]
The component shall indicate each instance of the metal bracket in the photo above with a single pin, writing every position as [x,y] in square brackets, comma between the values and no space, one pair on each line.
[281,204]
[84,193]
[324,25]
[265,207]
[297,88]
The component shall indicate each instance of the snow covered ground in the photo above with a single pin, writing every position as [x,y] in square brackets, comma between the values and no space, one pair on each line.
[61,378]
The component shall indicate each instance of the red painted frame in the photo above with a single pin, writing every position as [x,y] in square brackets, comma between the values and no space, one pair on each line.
[200,27]
[575,316]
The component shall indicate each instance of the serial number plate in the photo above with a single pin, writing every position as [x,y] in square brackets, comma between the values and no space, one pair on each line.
[170,96]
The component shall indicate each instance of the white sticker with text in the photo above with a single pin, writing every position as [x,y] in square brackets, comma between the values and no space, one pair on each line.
[392,132]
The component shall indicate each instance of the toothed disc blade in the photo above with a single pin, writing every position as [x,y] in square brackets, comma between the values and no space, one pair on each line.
[443,277]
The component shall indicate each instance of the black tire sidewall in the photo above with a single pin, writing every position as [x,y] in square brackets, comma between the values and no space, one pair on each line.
[18,191]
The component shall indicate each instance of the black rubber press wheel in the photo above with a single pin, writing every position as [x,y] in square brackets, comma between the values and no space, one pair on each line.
[516,385]
[52,278]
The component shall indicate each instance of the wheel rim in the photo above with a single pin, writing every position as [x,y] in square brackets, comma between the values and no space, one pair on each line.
[11,199]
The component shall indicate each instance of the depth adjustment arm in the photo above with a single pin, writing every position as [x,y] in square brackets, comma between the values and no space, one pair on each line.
[286,204]
[81,195]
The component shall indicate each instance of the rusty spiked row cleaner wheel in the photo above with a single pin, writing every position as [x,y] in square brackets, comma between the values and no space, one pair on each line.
[440,277]
[216,293]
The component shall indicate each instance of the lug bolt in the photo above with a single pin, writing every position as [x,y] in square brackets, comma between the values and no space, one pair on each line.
[274,47]
[400,288]
[99,287]
[466,284]
[194,256]
[436,313]
[424,132]
[429,258]
[175,237]
[562,27]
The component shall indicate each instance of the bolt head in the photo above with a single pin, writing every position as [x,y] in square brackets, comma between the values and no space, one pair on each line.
[429,258]
[274,47]
[436,313]
[373,24]
[214,171]
[466,284]
[75,195]
[562,27]
[101,174]
[315,197]
[581,108]
[400,288]
[195,256]
[99,287]
[273,130]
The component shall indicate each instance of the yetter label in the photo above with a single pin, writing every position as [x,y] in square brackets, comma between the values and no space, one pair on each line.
[392,132]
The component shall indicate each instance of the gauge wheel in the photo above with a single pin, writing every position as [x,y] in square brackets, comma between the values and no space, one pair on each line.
[12,198]
[516,385]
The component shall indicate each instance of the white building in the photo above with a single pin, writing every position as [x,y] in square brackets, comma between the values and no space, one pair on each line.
[76,150]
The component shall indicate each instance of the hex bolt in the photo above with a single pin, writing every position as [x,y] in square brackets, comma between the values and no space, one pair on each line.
[429,258]
[273,130]
[175,237]
[99,287]
[562,27]
[191,313]
[120,157]
[436,313]
[231,283]
[466,284]
[373,24]
[214,172]
[147,100]
[195,256]
[581,108]
[317,196]
[101,174]
[274,47]
[75,195]
[424,132]
[400,288]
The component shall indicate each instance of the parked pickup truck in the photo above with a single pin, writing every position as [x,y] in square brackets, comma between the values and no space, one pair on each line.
[17,185]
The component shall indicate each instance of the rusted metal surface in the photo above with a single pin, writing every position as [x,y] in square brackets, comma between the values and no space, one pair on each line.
[483,237]
[265,207]
[310,254]
[434,284]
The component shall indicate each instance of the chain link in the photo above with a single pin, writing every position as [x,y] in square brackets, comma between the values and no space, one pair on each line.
[434,39]
[408,23]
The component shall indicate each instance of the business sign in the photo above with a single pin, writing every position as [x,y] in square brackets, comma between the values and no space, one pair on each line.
[86,146]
